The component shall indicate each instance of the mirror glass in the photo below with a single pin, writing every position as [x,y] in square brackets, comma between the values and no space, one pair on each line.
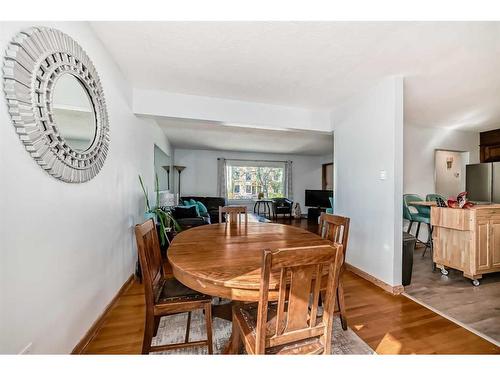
[162,169]
[73,112]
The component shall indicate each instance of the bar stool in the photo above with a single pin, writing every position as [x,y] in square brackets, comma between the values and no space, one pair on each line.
[433,197]
[423,215]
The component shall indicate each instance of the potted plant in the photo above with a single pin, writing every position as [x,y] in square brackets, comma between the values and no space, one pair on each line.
[163,218]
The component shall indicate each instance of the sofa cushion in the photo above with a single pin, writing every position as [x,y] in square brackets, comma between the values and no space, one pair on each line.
[211,203]
[190,222]
[183,212]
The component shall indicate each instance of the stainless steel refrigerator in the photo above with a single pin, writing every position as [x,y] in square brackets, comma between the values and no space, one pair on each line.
[482,182]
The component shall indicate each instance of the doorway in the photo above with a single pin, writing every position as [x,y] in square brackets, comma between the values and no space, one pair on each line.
[449,172]
[327,177]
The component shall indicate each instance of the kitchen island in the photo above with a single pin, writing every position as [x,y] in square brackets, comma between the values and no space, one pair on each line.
[467,240]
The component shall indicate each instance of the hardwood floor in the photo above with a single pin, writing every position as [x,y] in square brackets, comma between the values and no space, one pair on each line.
[389,324]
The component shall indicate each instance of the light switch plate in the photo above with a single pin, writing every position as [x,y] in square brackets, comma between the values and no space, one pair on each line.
[383,174]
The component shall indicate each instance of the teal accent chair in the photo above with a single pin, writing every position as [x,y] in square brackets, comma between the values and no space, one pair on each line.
[330,210]
[423,215]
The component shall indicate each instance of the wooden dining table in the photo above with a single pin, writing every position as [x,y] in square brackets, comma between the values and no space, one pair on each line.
[225,260]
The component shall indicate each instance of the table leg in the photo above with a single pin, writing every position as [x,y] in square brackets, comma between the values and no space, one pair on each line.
[226,312]
[233,343]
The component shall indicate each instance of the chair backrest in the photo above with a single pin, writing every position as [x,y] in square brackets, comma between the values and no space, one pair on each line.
[433,197]
[150,260]
[407,214]
[334,228]
[282,202]
[233,214]
[420,210]
[296,315]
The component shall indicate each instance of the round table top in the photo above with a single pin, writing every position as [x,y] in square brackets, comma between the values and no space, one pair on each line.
[225,260]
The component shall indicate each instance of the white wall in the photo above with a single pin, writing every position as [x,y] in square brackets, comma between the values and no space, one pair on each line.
[200,176]
[66,249]
[419,146]
[368,137]
[450,181]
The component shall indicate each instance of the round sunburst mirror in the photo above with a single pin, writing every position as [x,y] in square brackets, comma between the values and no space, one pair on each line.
[56,103]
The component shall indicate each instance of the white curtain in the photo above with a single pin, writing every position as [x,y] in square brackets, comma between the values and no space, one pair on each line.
[221,178]
[288,180]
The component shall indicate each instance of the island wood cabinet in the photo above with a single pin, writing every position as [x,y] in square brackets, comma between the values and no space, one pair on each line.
[467,240]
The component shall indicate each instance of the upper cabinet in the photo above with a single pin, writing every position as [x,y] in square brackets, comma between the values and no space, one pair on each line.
[490,146]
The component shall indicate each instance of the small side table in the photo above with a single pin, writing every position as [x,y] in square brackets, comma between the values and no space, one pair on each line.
[264,204]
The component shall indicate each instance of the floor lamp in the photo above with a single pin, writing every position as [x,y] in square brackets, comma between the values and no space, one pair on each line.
[167,169]
[179,168]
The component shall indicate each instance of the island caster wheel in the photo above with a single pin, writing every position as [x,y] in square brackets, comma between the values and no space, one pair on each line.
[444,272]
[475,282]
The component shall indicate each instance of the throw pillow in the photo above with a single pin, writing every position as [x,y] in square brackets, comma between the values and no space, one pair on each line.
[201,207]
[191,204]
[183,212]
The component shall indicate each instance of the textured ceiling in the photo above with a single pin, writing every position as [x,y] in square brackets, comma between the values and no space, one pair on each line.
[207,135]
[451,69]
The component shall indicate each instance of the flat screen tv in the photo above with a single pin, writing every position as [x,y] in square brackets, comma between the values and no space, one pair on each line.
[318,198]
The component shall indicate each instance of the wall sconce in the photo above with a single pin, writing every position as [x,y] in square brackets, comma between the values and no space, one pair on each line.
[449,162]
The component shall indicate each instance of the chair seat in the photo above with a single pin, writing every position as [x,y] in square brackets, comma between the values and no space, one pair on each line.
[174,291]
[421,219]
[248,314]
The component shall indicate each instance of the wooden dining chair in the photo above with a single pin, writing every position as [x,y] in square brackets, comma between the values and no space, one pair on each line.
[291,325]
[336,229]
[166,296]
[233,214]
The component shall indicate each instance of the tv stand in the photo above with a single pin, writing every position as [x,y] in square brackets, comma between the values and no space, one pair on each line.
[313,213]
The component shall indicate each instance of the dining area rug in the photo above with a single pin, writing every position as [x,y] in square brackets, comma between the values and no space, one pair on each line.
[172,329]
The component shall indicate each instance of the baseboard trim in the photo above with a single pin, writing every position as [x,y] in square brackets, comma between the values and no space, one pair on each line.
[395,290]
[96,326]
[457,322]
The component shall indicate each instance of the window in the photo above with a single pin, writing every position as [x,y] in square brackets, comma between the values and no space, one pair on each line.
[255,177]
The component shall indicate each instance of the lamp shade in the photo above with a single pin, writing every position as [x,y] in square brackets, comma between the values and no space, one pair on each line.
[167,198]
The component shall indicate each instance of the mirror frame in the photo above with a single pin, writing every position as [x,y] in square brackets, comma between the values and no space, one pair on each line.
[35,59]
